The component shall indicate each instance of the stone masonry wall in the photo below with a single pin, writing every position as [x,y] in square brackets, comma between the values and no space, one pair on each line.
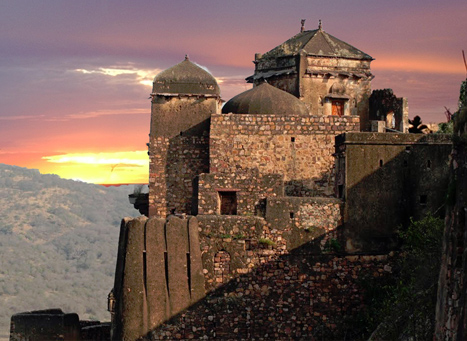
[301,220]
[174,163]
[250,186]
[286,298]
[299,147]
[260,286]
[178,150]
[158,273]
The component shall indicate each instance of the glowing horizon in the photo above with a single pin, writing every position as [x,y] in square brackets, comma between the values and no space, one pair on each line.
[103,168]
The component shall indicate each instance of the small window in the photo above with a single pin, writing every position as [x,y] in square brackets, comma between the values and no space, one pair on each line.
[428,164]
[340,189]
[338,107]
[291,215]
[292,139]
[381,163]
[423,199]
[408,149]
[228,202]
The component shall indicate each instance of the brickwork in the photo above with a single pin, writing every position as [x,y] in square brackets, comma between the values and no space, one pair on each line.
[174,163]
[302,220]
[178,149]
[298,147]
[286,297]
[250,186]
[275,288]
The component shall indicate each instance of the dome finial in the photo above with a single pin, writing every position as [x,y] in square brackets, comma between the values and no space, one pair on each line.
[320,26]
[186,57]
[303,25]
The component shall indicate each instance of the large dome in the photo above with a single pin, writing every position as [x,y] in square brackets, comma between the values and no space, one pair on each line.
[265,99]
[185,78]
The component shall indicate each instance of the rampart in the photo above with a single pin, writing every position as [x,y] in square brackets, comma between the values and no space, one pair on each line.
[279,277]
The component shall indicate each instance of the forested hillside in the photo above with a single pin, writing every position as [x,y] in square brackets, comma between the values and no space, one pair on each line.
[58,243]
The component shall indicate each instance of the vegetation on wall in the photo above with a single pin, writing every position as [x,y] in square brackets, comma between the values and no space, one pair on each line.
[458,118]
[403,306]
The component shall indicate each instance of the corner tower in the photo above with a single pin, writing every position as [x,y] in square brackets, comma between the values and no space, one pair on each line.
[182,101]
[329,75]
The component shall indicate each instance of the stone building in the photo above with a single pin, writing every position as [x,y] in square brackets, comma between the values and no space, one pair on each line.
[250,233]
[265,215]
[183,99]
[329,75]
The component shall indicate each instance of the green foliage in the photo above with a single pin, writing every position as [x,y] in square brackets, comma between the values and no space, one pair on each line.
[266,241]
[446,128]
[310,229]
[403,305]
[332,245]
[459,121]
[463,95]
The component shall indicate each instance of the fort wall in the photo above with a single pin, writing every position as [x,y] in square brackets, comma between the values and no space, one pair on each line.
[385,179]
[261,286]
[279,276]
[298,147]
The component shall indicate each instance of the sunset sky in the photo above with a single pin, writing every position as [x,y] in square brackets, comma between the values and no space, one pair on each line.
[76,75]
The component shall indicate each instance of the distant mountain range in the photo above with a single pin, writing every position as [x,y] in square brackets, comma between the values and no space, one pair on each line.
[58,243]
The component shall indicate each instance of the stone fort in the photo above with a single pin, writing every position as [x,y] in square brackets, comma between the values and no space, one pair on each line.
[265,214]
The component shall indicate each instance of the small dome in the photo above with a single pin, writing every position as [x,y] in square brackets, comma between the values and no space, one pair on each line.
[265,99]
[185,78]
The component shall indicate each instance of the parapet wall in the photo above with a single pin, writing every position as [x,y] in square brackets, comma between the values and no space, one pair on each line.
[298,147]
[51,324]
[385,179]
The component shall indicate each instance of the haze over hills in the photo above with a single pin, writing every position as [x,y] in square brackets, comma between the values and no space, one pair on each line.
[58,243]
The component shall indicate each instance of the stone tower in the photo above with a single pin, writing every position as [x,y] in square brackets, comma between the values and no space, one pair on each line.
[183,99]
[329,75]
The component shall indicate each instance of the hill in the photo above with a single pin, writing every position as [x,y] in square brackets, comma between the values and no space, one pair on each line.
[58,243]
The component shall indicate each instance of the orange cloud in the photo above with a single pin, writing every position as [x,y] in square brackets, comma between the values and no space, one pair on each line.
[418,64]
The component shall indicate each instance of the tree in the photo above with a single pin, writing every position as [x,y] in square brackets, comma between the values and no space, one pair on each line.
[417,126]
